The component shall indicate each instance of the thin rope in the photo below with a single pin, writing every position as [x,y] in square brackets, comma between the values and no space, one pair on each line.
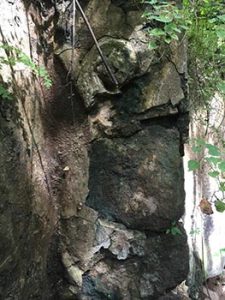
[97,45]
[73,37]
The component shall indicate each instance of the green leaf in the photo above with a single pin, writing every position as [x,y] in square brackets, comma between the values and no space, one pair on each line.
[200,142]
[196,149]
[214,160]
[42,72]
[157,32]
[26,60]
[193,165]
[152,46]
[195,231]
[213,20]
[220,33]
[168,40]
[175,231]
[222,186]
[221,86]
[163,18]
[174,36]
[47,83]
[221,18]
[221,166]
[4,93]
[213,150]
[178,29]
[220,206]
[151,2]
[171,27]
[214,174]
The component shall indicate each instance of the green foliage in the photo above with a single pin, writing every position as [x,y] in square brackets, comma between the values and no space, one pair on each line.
[14,56]
[220,206]
[166,22]
[206,51]
[214,158]
[203,23]
[38,71]
[174,229]
[193,165]
[195,231]
[4,93]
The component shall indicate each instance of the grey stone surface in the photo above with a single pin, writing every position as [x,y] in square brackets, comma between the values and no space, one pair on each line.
[91,176]
[138,181]
[139,278]
[126,60]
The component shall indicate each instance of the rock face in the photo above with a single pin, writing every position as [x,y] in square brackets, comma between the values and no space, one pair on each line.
[133,179]
[98,185]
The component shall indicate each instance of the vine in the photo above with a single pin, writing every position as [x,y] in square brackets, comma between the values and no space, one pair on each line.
[165,22]
[15,55]
[212,157]
[203,23]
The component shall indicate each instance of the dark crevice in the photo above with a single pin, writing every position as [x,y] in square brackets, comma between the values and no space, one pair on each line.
[166,121]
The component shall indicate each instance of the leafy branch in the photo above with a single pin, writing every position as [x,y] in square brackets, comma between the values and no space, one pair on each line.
[15,55]
[203,23]
[213,158]
[165,22]
[174,229]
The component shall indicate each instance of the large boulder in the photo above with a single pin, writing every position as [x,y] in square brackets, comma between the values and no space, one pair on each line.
[138,181]
[145,276]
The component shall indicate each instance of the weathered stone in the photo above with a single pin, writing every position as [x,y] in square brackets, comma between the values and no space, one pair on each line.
[126,59]
[54,244]
[145,278]
[78,235]
[179,56]
[131,179]
[152,91]
[120,241]
[74,273]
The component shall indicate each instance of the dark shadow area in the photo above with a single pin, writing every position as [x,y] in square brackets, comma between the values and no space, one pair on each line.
[24,236]
[64,106]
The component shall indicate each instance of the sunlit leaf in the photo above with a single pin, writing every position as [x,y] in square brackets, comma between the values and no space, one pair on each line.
[193,165]
[175,231]
[220,33]
[164,18]
[221,86]
[221,166]
[220,206]
[157,32]
[214,160]
[152,46]
[197,149]
[213,150]
[221,17]
[214,174]
[222,186]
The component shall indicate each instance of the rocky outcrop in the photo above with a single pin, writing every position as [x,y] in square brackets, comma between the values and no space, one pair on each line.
[132,179]
[135,177]
[107,158]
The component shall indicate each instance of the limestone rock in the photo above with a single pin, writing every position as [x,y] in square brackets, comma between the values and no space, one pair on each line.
[91,174]
[152,91]
[140,278]
[126,59]
[119,240]
[131,179]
